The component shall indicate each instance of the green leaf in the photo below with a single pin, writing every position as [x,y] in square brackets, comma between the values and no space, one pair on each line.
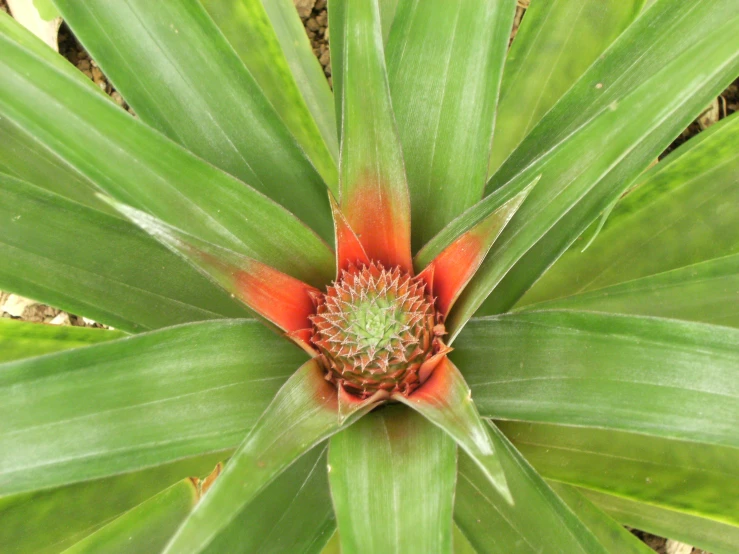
[586,368]
[388,9]
[538,522]
[610,534]
[178,72]
[461,544]
[689,199]
[292,514]
[139,167]
[333,546]
[46,522]
[270,39]
[445,62]
[374,190]
[24,158]
[704,292]
[304,413]
[715,537]
[392,480]
[46,9]
[555,44]
[19,339]
[336,11]
[136,402]
[445,400]
[147,527]
[691,477]
[645,48]
[92,264]
[584,173]
[13,30]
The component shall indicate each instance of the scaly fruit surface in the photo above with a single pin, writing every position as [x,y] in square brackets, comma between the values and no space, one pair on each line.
[374,328]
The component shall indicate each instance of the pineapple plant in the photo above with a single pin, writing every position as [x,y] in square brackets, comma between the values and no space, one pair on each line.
[450,304]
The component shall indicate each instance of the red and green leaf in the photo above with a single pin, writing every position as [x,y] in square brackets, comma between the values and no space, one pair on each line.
[349,249]
[445,63]
[452,269]
[138,166]
[372,180]
[99,266]
[586,171]
[279,298]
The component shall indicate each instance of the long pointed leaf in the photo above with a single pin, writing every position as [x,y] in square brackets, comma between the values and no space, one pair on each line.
[333,546]
[20,340]
[147,527]
[445,61]
[95,265]
[665,31]
[181,76]
[610,534]
[457,263]
[594,369]
[282,300]
[446,401]
[304,413]
[392,481]
[689,199]
[45,522]
[554,45]
[139,167]
[538,522]
[270,39]
[715,537]
[349,249]
[588,171]
[374,191]
[461,544]
[468,220]
[292,514]
[652,470]
[24,158]
[136,402]
[704,292]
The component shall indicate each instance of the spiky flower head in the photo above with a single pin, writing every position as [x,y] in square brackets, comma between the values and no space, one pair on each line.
[375,328]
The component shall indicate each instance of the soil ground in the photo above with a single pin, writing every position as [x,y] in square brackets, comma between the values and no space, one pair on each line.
[315,19]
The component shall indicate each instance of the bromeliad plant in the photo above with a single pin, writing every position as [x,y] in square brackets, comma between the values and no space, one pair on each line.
[499,251]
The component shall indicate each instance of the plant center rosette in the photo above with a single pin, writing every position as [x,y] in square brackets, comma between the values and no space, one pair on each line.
[376,330]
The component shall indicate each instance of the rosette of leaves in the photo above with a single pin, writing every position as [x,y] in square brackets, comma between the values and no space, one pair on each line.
[447,306]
